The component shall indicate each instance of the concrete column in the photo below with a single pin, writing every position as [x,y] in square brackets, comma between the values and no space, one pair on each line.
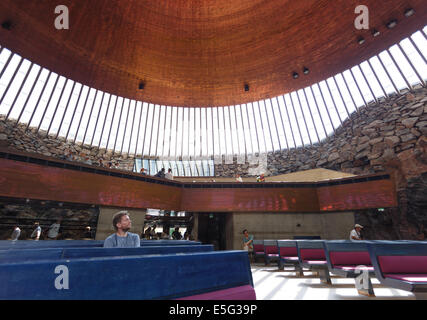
[105,221]
[195,230]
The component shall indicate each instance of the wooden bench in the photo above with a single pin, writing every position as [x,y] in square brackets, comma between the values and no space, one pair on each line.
[288,255]
[350,259]
[220,275]
[271,251]
[258,249]
[401,265]
[311,255]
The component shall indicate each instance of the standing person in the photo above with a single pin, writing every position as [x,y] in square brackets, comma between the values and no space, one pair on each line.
[142,171]
[37,232]
[122,238]
[153,233]
[355,233]
[176,235]
[54,230]
[88,233]
[169,174]
[147,233]
[239,178]
[248,241]
[16,233]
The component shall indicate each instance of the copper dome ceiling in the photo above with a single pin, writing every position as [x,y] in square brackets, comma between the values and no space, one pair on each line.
[201,53]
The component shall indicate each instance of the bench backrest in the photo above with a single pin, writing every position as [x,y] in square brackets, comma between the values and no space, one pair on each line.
[30,244]
[310,250]
[9,256]
[270,247]
[346,252]
[287,248]
[130,277]
[258,245]
[399,257]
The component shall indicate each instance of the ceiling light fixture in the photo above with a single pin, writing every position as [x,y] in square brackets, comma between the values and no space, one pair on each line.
[391,24]
[306,70]
[375,33]
[141,85]
[409,12]
[295,75]
[7,25]
[246,87]
[361,40]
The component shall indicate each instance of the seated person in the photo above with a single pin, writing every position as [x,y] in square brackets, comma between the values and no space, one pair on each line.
[122,238]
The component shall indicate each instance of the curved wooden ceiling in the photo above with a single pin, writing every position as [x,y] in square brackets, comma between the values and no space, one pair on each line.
[200,53]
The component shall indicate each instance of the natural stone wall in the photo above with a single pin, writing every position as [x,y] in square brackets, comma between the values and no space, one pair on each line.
[389,136]
[75,218]
[367,141]
[364,144]
[17,137]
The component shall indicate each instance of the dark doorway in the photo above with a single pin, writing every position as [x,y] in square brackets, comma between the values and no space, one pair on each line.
[211,229]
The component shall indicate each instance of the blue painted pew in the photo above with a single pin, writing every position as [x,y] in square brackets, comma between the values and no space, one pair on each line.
[169,242]
[311,255]
[28,255]
[28,244]
[288,255]
[401,265]
[214,275]
[350,259]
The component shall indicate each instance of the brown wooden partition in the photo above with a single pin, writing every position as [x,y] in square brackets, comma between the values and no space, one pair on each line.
[33,181]
[355,196]
[37,177]
[263,198]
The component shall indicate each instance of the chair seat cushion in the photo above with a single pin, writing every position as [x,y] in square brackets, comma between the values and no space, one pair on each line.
[352,268]
[315,261]
[414,277]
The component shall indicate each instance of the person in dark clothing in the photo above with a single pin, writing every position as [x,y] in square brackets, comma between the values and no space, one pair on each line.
[161,173]
[176,235]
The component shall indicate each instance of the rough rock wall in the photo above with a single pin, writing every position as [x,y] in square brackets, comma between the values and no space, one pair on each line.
[17,137]
[75,218]
[389,136]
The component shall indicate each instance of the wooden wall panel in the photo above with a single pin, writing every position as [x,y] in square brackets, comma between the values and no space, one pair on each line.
[250,200]
[20,179]
[27,180]
[364,195]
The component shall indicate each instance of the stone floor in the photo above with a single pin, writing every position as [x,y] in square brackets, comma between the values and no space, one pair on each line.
[273,284]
